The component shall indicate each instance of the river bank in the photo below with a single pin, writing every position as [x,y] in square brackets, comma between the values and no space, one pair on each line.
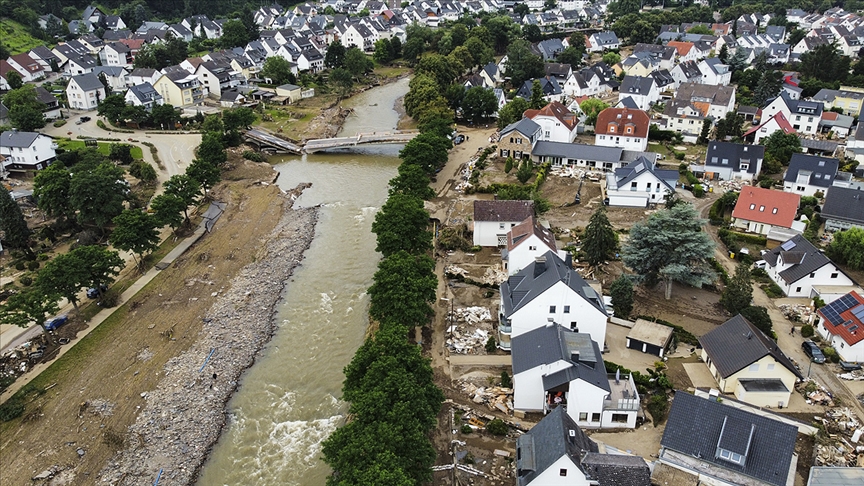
[185,414]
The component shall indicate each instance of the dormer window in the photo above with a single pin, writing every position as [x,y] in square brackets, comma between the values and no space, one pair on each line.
[731,456]
[774,211]
[611,128]
[752,206]
[761,209]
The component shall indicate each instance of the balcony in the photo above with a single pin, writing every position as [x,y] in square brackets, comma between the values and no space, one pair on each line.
[622,395]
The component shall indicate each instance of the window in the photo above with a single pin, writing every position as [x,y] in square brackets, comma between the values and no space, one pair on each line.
[797,289]
[761,209]
[532,248]
[834,275]
[731,456]
[769,367]
[551,309]
[562,472]
[595,417]
[752,206]
[583,416]
[619,418]
[566,309]
[753,368]
[500,225]
[797,117]
[774,211]
[574,326]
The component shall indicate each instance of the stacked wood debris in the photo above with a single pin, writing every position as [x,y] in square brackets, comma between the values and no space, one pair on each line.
[495,397]
[845,447]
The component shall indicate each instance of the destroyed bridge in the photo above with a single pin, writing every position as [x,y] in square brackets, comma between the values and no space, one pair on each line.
[268,142]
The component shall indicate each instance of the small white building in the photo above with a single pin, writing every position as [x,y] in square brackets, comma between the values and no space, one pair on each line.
[797,267]
[842,325]
[640,184]
[85,92]
[526,242]
[144,95]
[26,152]
[549,290]
[557,123]
[809,174]
[624,128]
[493,219]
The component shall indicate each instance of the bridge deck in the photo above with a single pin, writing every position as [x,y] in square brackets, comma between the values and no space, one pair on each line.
[273,141]
[359,139]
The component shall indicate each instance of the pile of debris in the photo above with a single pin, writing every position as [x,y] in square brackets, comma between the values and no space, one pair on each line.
[494,276]
[466,343]
[731,185]
[454,270]
[846,447]
[814,393]
[466,176]
[495,397]
[472,315]
[856,375]
[798,313]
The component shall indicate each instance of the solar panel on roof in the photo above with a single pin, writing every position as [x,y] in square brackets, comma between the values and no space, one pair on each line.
[858,312]
[788,245]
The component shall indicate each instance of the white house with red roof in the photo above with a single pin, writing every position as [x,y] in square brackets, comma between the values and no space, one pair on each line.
[27,67]
[771,125]
[759,210]
[526,242]
[842,326]
[557,123]
[622,128]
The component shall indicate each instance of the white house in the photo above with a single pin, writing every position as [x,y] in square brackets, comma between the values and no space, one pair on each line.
[643,91]
[114,75]
[622,127]
[144,95]
[555,367]
[747,363]
[809,174]
[84,92]
[116,54]
[549,290]
[776,122]
[797,267]
[557,123]
[493,219]
[843,208]
[733,160]
[557,452]
[603,41]
[26,152]
[526,242]
[695,102]
[79,65]
[803,115]
[143,75]
[842,325]
[29,68]
[714,72]
[760,210]
[639,184]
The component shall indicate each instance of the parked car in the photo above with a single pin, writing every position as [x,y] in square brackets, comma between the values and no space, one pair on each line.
[813,351]
[54,323]
[85,119]
[847,366]
[93,293]
[761,264]
[459,139]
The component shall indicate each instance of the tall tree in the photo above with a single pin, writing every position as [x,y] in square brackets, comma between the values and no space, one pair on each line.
[412,181]
[100,264]
[14,79]
[356,62]
[279,70]
[184,188]
[592,108]
[212,149]
[234,34]
[522,64]
[13,227]
[848,247]
[403,289]
[401,226]
[479,104]
[238,118]
[98,194]
[64,275]
[168,210]
[204,173]
[738,295]
[599,240]
[512,111]
[335,56]
[51,188]
[135,231]
[670,246]
[537,100]
[780,146]
[29,306]
[25,109]
[621,292]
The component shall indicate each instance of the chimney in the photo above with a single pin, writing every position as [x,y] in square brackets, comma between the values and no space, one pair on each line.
[574,356]
[539,265]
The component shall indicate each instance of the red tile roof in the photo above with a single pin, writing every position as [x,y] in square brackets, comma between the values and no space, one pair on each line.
[132,44]
[5,67]
[847,321]
[617,121]
[520,233]
[27,63]
[766,206]
[555,110]
[781,120]
[682,47]
[829,115]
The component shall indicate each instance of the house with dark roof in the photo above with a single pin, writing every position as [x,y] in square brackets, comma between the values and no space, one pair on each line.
[706,441]
[549,290]
[747,363]
[640,184]
[759,210]
[114,75]
[693,103]
[554,368]
[809,174]
[517,139]
[728,161]
[557,123]
[843,208]
[525,242]
[643,90]
[51,111]
[799,268]
[686,72]
[841,324]
[803,115]
[603,41]
[549,85]
[26,152]
[143,95]
[550,48]
[493,219]
[84,92]
[622,127]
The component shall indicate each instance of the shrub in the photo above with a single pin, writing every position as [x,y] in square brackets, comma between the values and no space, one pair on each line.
[506,381]
[831,354]
[772,290]
[12,409]
[657,407]
[818,302]
[59,123]
[20,265]
[497,427]
[698,190]
[32,266]
[760,275]
[680,155]
[43,257]
[110,298]
[491,344]
[466,429]
[253,156]
[26,280]
[807,331]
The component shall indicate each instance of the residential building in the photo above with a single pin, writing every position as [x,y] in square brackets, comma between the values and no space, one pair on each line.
[549,85]
[848,98]
[714,72]
[809,174]
[603,41]
[218,76]
[776,122]
[549,290]
[85,92]
[143,95]
[26,152]
[525,242]
[685,49]
[798,268]
[665,55]
[27,67]
[493,219]
[592,157]
[622,127]
[51,111]
[517,139]
[708,442]
[695,102]
[550,48]
[841,324]
[686,72]
[116,54]
[79,65]
[556,451]
[640,184]
[180,88]
[835,124]
[643,91]
[854,144]
[732,161]
[759,210]
[843,208]
[803,115]
[747,363]
[114,75]
[143,75]
[557,123]
[554,367]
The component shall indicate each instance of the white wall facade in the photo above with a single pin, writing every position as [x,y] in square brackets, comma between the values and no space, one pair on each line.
[827,275]
[81,100]
[523,255]
[528,392]
[42,149]
[553,130]
[562,472]
[639,144]
[854,353]
[490,233]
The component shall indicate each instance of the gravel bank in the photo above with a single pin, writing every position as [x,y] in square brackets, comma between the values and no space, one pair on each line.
[185,414]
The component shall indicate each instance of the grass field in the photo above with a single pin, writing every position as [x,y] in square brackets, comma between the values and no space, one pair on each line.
[103,147]
[16,38]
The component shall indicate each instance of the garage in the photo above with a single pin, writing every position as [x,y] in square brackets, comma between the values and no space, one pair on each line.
[649,337]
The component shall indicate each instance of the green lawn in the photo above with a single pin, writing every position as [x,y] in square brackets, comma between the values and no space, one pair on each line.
[103,147]
[16,38]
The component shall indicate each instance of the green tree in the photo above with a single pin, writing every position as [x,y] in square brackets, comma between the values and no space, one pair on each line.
[100,264]
[413,49]
[135,231]
[481,53]
[732,125]
[512,112]
[168,210]
[185,188]
[121,152]
[759,317]
[572,56]
[383,52]
[738,294]
[98,193]
[51,188]
[522,64]
[592,108]
[508,165]
[401,226]
[706,131]
[479,104]
[723,55]
[643,32]
[213,123]
[848,248]
[823,63]
[279,70]
[143,171]
[620,8]
[29,306]
[164,116]
[611,58]
[13,227]
[14,79]
[204,173]
[403,289]
[599,240]
[525,171]
[769,86]
[238,118]
[621,292]
[64,275]
[421,152]
[343,80]
[412,181]
[112,107]
[537,100]
[439,68]
[25,110]
[532,33]
[780,146]
[234,34]
[356,62]
[335,56]
[212,149]
[670,246]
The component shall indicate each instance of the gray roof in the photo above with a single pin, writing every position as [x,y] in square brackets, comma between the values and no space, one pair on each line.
[577,151]
[550,48]
[627,103]
[632,170]
[88,82]
[536,278]
[15,138]
[826,146]
[823,170]
[845,204]
[736,344]
[109,70]
[662,77]
[145,92]
[547,442]
[501,210]
[525,126]
[549,85]
[698,427]
[616,469]
[143,72]
[552,343]
[835,476]
[637,85]
[727,154]
[809,258]
[606,37]
[690,70]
